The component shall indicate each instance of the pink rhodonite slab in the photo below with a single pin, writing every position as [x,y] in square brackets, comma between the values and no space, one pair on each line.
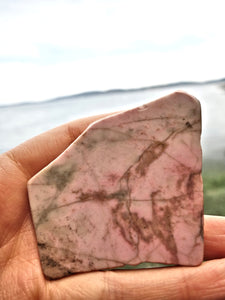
[127,191]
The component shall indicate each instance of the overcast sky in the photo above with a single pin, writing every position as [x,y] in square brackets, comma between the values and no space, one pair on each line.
[56,48]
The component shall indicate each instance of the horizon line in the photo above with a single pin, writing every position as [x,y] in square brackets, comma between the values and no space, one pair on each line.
[116,90]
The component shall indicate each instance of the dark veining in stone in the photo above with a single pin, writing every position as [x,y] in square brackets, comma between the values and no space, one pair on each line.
[42,245]
[188,125]
[152,153]
[163,229]
[193,177]
[60,176]
[144,224]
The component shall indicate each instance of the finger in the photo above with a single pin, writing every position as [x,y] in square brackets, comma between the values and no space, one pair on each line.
[214,237]
[203,282]
[37,152]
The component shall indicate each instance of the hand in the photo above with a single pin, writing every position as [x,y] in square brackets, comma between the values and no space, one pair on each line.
[20,271]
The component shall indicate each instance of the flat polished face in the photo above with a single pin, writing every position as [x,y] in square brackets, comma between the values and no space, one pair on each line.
[127,191]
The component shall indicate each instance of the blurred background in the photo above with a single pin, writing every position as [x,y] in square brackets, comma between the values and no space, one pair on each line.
[62,60]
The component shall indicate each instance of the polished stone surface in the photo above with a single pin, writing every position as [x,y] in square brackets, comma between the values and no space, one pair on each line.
[127,191]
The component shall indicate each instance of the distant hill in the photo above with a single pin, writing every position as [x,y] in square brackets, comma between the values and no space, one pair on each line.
[161,86]
[119,91]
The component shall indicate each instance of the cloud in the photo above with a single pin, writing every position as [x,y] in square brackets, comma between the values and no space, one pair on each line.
[106,25]
[55,48]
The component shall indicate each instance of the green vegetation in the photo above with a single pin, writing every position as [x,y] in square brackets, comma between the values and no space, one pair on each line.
[214,187]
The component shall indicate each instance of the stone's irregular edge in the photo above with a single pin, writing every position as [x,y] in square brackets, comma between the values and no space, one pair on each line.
[63,203]
[144,265]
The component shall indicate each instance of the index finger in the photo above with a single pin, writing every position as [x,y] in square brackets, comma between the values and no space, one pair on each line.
[214,237]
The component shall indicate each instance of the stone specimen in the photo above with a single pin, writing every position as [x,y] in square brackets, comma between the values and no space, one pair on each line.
[127,191]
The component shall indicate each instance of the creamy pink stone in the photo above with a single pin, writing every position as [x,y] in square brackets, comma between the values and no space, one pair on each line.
[127,191]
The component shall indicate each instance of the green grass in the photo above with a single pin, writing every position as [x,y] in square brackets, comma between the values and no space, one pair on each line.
[214,188]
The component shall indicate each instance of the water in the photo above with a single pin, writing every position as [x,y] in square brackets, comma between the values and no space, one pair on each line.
[21,122]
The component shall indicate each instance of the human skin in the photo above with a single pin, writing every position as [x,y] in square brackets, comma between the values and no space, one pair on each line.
[20,271]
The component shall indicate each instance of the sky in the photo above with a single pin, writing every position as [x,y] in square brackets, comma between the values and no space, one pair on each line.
[57,48]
